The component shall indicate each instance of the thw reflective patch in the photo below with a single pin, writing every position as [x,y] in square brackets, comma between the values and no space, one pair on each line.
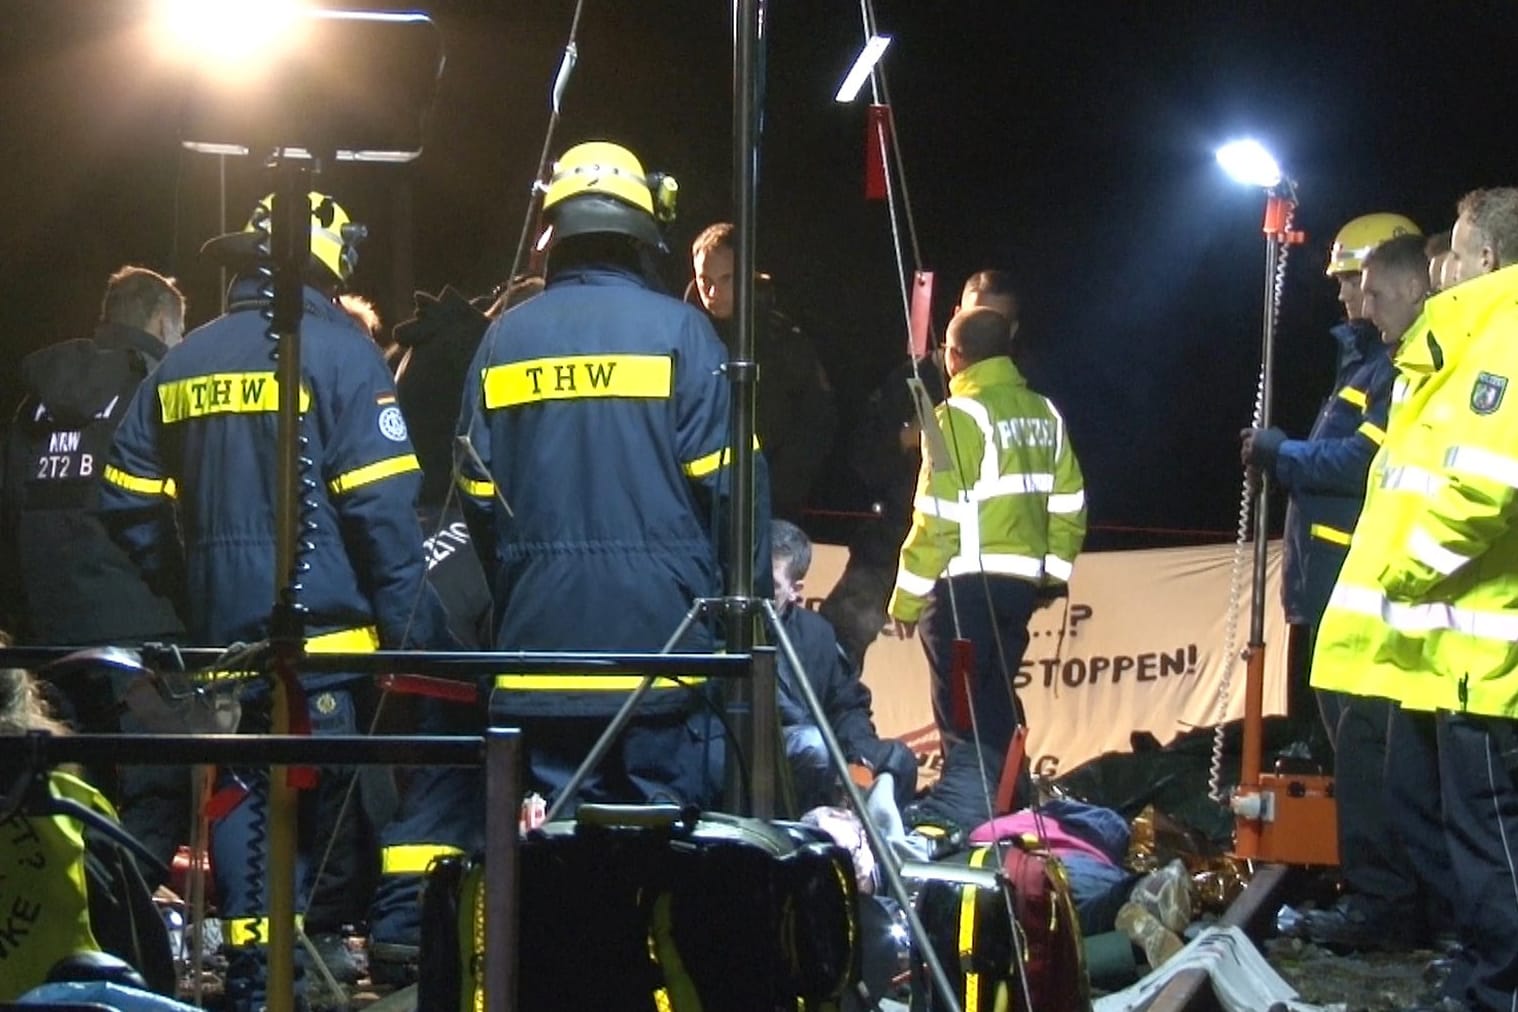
[574,376]
[222,393]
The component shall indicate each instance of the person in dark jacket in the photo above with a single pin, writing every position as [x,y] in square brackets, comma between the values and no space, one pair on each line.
[1325,475]
[66,583]
[844,697]
[442,808]
[190,493]
[795,415]
[596,481]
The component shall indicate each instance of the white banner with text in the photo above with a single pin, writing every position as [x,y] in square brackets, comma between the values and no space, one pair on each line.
[1142,650]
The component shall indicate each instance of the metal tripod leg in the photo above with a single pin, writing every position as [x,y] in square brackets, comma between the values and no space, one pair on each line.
[603,744]
[883,853]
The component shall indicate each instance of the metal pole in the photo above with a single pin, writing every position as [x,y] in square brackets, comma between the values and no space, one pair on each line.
[1254,686]
[503,791]
[290,240]
[748,64]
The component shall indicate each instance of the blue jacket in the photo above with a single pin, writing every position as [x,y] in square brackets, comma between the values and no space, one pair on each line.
[598,412]
[198,449]
[844,697]
[1325,473]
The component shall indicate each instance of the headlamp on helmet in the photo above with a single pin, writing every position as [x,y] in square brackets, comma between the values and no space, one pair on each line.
[601,187]
[334,238]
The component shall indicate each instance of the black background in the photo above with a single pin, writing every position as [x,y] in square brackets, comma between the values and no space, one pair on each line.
[1071,143]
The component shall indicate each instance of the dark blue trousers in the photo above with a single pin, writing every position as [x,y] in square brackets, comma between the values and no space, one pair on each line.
[993,614]
[1477,756]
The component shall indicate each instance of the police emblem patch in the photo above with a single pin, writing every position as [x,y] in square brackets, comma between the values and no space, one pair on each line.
[392,424]
[1486,395]
[326,704]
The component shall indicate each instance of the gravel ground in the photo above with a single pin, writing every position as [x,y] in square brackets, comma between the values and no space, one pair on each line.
[1368,982]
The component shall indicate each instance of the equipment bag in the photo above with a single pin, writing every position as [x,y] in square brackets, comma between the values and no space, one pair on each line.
[648,907]
[974,939]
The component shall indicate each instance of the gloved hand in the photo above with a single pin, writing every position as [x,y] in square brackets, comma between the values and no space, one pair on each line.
[1258,447]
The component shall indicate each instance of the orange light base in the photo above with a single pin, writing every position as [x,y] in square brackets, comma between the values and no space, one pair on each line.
[1297,821]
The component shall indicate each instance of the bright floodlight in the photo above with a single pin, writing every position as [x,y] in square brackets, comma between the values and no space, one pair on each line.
[1247,161]
[870,55]
[226,32]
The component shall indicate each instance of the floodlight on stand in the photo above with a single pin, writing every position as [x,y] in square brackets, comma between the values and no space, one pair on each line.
[1288,819]
[227,34]
[864,63]
[346,85]
[1247,161]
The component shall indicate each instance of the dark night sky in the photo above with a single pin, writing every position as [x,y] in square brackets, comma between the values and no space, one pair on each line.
[1072,143]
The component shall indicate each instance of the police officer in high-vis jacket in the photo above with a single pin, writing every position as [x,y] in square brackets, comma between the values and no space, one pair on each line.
[190,491]
[993,534]
[1425,611]
[598,414]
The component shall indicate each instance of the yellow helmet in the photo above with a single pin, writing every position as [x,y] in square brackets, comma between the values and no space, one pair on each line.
[601,187]
[334,237]
[1363,234]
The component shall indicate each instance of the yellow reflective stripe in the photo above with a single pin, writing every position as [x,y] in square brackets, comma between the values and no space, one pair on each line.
[143,486]
[370,473]
[1323,532]
[250,930]
[359,640]
[703,466]
[967,897]
[413,858]
[1372,432]
[588,683]
[677,991]
[222,393]
[1353,396]
[478,489]
[575,376]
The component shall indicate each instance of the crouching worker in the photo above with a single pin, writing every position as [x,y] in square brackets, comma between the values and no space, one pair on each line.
[844,697]
[73,894]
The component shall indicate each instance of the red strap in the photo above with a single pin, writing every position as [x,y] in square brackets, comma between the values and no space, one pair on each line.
[432,688]
[961,670]
[876,138]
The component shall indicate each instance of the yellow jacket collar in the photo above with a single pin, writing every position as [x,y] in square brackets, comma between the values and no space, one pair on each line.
[995,371]
[1459,314]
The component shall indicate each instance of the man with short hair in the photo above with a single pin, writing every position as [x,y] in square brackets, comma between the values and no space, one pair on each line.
[794,415]
[1378,263]
[1424,611]
[66,583]
[993,536]
[994,290]
[835,679]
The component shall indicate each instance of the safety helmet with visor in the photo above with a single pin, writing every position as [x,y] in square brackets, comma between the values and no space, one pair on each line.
[600,186]
[1361,235]
[334,238]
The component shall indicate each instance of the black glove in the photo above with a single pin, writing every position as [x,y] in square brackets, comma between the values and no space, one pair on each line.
[1261,446]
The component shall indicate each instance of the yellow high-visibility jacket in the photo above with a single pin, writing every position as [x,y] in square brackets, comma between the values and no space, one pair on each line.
[1013,503]
[1429,616]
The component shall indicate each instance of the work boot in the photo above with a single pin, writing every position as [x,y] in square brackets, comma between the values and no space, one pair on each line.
[1349,927]
[337,957]
[247,980]
[393,964]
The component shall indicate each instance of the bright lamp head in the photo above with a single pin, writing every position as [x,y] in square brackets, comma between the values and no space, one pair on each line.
[1247,161]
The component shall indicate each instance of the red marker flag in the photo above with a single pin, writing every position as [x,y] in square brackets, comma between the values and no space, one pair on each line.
[876,138]
[922,306]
